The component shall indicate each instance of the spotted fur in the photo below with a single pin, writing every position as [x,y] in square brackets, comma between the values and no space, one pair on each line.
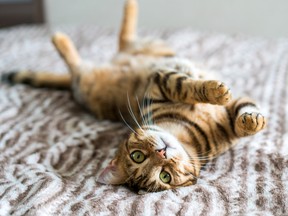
[179,118]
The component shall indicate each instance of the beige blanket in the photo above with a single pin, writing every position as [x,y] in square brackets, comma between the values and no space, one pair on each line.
[51,151]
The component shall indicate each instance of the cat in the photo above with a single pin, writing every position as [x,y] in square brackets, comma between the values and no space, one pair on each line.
[179,118]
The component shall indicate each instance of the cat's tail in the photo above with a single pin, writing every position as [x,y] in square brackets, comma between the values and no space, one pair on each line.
[67,51]
[38,79]
[129,24]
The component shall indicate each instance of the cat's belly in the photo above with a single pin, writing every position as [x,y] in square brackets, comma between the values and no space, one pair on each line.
[109,94]
[113,108]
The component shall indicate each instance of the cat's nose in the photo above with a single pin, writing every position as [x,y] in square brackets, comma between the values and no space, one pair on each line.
[161,153]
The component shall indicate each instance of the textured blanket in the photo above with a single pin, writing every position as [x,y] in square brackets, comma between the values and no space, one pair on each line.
[51,150]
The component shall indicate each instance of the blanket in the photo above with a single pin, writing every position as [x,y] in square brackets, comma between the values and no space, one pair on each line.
[51,150]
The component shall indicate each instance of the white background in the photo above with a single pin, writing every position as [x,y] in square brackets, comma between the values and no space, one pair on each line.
[267,18]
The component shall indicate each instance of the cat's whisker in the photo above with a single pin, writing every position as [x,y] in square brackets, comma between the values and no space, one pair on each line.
[141,113]
[147,105]
[201,158]
[209,155]
[132,114]
[197,158]
[149,116]
[127,123]
[208,163]
[201,163]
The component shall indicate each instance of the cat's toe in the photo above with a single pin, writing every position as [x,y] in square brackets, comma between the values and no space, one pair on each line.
[250,123]
[218,92]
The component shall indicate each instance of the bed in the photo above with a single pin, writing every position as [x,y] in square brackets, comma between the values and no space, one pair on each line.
[51,150]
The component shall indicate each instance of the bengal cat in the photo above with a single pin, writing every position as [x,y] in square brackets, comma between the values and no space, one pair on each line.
[178,117]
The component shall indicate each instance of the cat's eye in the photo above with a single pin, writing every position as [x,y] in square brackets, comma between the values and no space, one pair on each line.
[138,156]
[165,177]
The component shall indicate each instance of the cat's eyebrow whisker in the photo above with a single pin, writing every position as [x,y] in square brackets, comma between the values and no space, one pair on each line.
[127,123]
[132,114]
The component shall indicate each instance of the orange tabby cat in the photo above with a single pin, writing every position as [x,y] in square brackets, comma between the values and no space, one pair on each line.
[179,119]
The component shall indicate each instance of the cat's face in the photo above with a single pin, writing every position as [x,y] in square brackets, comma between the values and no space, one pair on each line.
[151,160]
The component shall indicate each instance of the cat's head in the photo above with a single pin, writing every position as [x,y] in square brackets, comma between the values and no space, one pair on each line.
[151,160]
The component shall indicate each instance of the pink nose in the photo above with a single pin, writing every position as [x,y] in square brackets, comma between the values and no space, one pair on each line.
[161,153]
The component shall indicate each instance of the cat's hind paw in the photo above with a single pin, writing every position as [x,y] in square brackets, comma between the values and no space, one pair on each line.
[250,123]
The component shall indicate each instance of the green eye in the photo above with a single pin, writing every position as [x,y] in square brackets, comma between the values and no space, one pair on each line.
[138,156]
[165,177]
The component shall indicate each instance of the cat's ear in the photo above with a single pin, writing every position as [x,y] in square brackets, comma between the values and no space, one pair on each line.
[112,174]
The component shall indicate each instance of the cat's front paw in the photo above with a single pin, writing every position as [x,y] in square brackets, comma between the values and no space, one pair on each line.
[217,92]
[250,123]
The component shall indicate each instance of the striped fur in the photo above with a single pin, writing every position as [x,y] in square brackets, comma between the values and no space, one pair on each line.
[180,119]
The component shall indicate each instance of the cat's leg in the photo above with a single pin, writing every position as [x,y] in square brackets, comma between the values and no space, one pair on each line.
[38,79]
[67,51]
[129,43]
[179,87]
[245,117]
[129,24]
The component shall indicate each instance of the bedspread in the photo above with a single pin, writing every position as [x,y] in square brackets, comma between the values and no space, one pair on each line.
[51,150]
